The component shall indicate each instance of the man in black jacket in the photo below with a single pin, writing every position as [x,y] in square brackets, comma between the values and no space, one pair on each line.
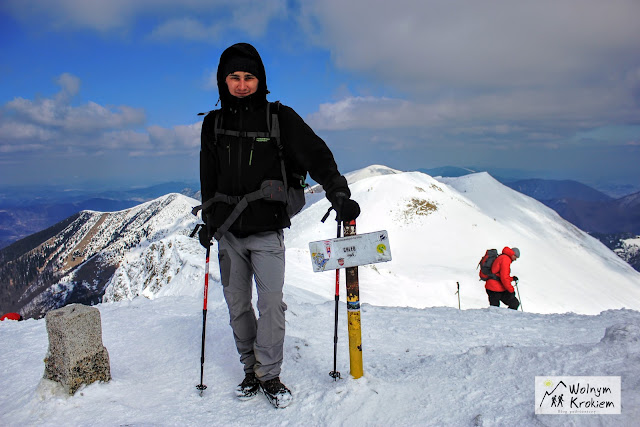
[237,157]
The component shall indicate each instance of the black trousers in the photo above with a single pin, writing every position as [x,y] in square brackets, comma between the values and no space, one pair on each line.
[509,299]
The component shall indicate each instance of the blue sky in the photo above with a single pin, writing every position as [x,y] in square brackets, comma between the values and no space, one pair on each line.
[107,92]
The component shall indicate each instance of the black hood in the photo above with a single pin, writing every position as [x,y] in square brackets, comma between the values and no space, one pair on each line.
[242,52]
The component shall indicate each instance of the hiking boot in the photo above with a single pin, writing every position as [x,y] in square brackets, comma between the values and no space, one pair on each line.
[249,387]
[276,392]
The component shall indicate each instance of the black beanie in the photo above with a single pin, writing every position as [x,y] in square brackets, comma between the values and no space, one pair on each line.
[241,63]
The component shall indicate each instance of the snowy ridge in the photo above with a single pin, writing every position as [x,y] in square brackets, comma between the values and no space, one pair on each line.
[153,270]
[357,175]
[368,172]
[114,233]
[85,255]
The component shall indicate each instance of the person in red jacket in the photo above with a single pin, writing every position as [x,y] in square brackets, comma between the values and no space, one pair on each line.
[500,288]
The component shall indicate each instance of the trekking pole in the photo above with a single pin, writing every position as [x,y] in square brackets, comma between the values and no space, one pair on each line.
[519,298]
[201,386]
[458,292]
[335,374]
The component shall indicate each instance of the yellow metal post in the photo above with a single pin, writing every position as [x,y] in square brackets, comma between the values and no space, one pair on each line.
[353,311]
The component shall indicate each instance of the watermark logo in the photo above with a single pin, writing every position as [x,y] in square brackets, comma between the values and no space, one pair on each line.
[578,395]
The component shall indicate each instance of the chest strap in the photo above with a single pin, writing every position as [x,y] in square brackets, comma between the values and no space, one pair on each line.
[272,190]
[242,134]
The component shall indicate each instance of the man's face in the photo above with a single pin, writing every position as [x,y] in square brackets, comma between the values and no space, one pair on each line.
[241,84]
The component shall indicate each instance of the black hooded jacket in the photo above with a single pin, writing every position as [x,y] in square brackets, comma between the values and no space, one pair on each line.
[236,166]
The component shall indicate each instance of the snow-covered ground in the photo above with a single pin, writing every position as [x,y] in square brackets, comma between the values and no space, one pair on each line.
[431,366]
[425,361]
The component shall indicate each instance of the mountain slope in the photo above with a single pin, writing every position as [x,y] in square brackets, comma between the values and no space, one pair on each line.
[438,232]
[76,264]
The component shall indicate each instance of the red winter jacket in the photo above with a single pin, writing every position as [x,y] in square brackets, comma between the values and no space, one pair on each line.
[502,268]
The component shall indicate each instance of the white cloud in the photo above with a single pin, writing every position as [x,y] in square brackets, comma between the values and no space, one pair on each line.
[186,19]
[55,125]
[166,140]
[185,28]
[83,14]
[12,148]
[20,132]
[124,140]
[418,45]
[56,114]
[244,15]
[374,113]
[489,72]
[504,112]
[70,86]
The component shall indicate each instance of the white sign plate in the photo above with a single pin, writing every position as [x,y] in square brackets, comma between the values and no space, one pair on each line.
[350,251]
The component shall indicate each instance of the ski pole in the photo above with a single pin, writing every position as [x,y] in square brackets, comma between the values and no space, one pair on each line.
[201,386]
[335,374]
[458,292]
[519,298]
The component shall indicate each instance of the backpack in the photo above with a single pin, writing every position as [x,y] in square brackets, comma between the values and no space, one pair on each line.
[293,175]
[485,265]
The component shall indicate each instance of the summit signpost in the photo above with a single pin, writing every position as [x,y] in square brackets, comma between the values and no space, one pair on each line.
[349,252]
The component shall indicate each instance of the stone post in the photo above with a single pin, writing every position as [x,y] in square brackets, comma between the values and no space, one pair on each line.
[76,354]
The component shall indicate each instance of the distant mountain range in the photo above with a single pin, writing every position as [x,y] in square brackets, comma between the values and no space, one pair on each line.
[27,211]
[588,209]
[602,217]
[544,189]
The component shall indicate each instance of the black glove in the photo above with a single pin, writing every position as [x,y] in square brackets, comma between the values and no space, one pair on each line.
[346,209]
[515,278]
[204,236]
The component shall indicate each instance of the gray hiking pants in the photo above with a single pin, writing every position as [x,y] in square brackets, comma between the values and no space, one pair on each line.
[260,256]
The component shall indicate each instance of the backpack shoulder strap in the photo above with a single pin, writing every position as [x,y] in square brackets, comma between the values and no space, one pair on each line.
[273,125]
[216,125]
